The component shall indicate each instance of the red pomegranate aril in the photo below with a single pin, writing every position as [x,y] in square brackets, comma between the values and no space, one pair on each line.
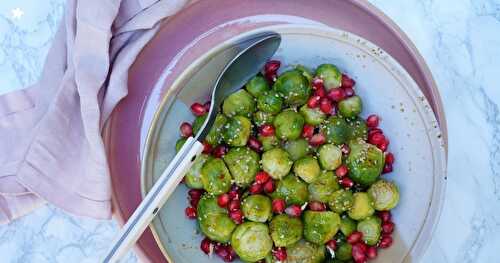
[195,193]
[376,139]
[317,206]
[269,186]
[198,109]
[317,83]
[358,254]
[190,212]
[349,92]
[278,206]
[345,149]
[385,241]
[186,129]
[341,171]
[266,130]
[255,188]
[347,82]
[336,94]
[326,106]
[234,195]
[313,101]
[280,253]
[389,158]
[383,145]
[223,200]
[307,131]
[194,202]
[362,245]
[372,121]
[205,245]
[346,182]
[371,252]
[234,205]
[332,244]
[373,131]
[220,250]
[261,177]
[231,254]
[293,210]
[272,66]
[320,92]
[387,168]
[207,148]
[317,139]
[354,237]
[385,216]
[254,144]
[236,216]
[220,151]
[387,227]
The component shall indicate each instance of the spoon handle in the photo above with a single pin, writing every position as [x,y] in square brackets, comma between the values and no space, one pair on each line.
[154,200]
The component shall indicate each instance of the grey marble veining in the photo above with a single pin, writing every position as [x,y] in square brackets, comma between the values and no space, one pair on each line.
[460,40]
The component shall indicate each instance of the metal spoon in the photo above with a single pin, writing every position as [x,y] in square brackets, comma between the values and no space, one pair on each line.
[237,72]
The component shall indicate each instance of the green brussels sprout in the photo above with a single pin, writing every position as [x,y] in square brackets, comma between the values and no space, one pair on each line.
[357,129]
[198,122]
[251,241]
[297,148]
[336,130]
[332,78]
[305,252]
[351,107]
[257,208]
[306,72]
[208,205]
[270,102]
[292,190]
[385,195]
[293,87]
[268,142]
[257,86]
[276,162]
[323,188]
[371,228]
[193,176]
[237,131]
[347,225]
[179,144]
[365,162]
[214,221]
[215,176]
[361,206]
[342,201]
[260,118]
[213,136]
[307,168]
[344,251]
[288,125]
[312,116]
[320,227]
[239,103]
[330,156]
[243,163]
[285,230]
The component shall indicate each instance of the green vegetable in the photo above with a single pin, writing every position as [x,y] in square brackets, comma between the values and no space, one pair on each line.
[213,136]
[285,230]
[361,207]
[342,200]
[365,162]
[324,187]
[332,78]
[179,144]
[307,73]
[347,225]
[350,107]
[215,176]
[288,125]
[243,163]
[270,102]
[239,103]
[307,168]
[260,118]
[257,86]
[268,142]
[193,176]
[198,122]
[305,252]
[320,227]
[292,190]
[312,116]
[293,87]
[251,241]
[330,156]
[357,129]
[371,228]
[336,130]
[237,131]
[276,162]
[297,148]
[385,195]
[214,221]
[344,252]
[256,208]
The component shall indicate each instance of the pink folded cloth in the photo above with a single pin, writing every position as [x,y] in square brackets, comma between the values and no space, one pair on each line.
[50,133]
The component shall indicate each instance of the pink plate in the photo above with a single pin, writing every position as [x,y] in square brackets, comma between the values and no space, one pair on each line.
[187,36]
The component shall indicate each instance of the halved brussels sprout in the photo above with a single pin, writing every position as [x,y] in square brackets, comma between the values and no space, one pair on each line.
[243,163]
[257,86]
[332,78]
[312,116]
[268,142]
[208,205]
[214,221]
[297,148]
[357,129]
[306,72]
[365,162]
[293,87]
[385,195]
[307,168]
[215,176]
[276,162]
[193,176]
[351,107]
[305,252]
[285,230]
[270,102]
[342,201]
[239,103]
[288,125]
[260,118]
[361,206]
[179,144]
[347,225]
[336,130]
[214,135]
[198,122]
[257,208]
[292,190]
[330,156]
[251,241]
[236,131]
[320,227]
[344,251]
[324,187]
[371,228]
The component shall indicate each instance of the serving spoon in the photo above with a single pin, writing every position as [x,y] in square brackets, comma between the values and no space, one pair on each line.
[246,64]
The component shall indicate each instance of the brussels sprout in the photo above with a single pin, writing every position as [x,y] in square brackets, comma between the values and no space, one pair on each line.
[270,102]
[179,144]
[213,136]
[330,156]
[276,162]
[347,225]
[268,142]
[342,201]
[312,116]
[237,130]
[365,162]
[288,125]
[214,221]
[319,227]
[344,251]
[305,72]
[357,129]
[239,103]
[332,78]
[256,208]
[193,176]
[215,177]
[243,164]
[361,206]
[257,86]
[371,228]
[297,148]
[336,130]
[285,230]
[307,168]
[305,252]
[198,122]
[350,107]
[251,241]
[292,190]
[208,205]
[260,118]
[293,87]
[385,195]
[323,188]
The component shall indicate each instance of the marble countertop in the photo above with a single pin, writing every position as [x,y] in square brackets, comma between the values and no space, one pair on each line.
[460,40]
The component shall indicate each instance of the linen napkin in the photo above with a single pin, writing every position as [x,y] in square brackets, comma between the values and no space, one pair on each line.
[50,133]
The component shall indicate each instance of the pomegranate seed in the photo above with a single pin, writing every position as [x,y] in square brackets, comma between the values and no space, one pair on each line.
[198,109]
[349,92]
[373,131]
[278,206]
[254,144]
[313,101]
[362,245]
[385,241]
[346,182]
[320,92]
[307,131]
[317,139]
[194,202]
[347,82]
[371,252]
[234,205]
[336,94]
[358,254]
[205,245]
[372,121]
[220,250]
[387,168]
[207,106]
[266,130]
[341,171]
[255,188]
[186,129]
[332,244]
[385,216]
[345,149]
[389,158]
[195,193]
[223,200]
[231,254]
[326,106]
[383,146]
[354,237]
[293,210]
[236,216]
[279,253]
[317,206]
[261,177]
[376,139]
[207,148]
[317,83]
[269,186]
[234,195]
[190,212]
[387,227]
[220,151]
[272,66]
